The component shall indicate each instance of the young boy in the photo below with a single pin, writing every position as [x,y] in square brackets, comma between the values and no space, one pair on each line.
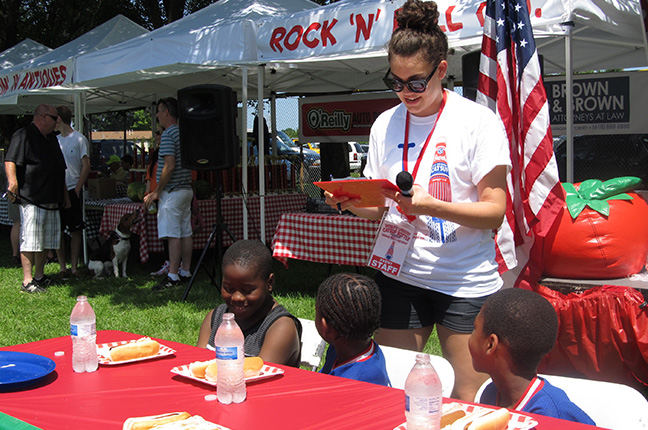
[270,331]
[347,312]
[514,330]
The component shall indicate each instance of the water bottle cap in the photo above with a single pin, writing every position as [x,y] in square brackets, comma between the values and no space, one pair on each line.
[422,358]
[82,299]
[228,316]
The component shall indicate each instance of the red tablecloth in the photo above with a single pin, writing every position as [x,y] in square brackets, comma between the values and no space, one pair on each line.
[299,399]
[275,206]
[335,239]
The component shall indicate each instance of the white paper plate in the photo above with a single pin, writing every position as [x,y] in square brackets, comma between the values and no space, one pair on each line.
[103,352]
[266,372]
[517,422]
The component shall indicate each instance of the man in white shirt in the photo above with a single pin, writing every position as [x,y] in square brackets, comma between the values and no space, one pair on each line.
[74,146]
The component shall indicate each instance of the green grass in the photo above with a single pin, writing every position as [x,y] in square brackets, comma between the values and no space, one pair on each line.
[130,304]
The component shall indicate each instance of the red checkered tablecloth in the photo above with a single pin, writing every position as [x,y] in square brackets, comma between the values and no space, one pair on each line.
[232,208]
[336,239]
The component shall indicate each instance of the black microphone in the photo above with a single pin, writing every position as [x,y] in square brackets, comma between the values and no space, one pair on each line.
[405,182]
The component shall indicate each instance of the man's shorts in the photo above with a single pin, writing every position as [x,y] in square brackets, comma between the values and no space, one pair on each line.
[40,229]
[174,214]
[72,217]
[405,306]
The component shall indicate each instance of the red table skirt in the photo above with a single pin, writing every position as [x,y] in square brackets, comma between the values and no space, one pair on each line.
[334,239]
[232,207]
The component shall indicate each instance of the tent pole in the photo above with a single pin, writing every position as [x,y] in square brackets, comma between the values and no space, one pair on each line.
[569,101]
[260,76]
[244,144]
[79,113]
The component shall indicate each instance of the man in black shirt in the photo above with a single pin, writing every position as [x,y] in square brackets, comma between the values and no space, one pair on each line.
[36,179]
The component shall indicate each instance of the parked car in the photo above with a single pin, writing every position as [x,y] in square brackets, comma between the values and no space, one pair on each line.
[101,150]
[313,146]
[604,157]
[357,156]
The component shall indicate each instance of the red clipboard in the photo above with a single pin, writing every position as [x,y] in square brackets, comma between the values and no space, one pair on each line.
[369,191]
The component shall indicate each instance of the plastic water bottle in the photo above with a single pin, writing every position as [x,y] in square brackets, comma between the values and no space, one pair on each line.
[83,328]
[230,357]
[423,398]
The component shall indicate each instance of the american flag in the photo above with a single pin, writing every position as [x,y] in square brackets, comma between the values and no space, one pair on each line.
[510,83]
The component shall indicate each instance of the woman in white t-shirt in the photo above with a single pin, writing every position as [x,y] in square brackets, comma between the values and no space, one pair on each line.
[457,153]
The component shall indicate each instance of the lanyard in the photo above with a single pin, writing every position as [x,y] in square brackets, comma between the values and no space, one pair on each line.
[406,141]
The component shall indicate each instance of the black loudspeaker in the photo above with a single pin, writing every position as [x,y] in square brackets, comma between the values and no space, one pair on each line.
[470,73]
[335,160]
[207,121]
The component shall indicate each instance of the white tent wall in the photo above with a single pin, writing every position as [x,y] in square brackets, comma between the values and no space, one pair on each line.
[21,52]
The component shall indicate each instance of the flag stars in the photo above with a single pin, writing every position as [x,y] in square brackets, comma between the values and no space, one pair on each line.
[518,7]
[523,43]
[520,25]
[500,22]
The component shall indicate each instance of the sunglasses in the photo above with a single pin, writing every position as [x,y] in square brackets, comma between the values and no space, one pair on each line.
[54,117]
[414,85]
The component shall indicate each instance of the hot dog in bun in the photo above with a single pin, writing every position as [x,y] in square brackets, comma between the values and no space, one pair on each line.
[484,419]
[146,423]
[132,350]
[251,367]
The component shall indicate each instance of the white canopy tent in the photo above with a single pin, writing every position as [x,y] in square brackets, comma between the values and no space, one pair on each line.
[341,47]
[42,79]
[21,52]
[205,47]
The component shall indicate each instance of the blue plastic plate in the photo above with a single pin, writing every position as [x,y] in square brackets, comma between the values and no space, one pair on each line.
[20,369]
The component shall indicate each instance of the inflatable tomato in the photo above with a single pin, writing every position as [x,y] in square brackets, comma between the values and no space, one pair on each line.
[602,233]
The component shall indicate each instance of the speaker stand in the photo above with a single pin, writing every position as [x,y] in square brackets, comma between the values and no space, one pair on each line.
[217,232]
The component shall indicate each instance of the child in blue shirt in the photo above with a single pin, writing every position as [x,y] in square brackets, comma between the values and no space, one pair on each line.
[513,331]
[347,315]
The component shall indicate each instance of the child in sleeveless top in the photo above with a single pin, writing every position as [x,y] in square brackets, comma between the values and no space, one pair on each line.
[270,331]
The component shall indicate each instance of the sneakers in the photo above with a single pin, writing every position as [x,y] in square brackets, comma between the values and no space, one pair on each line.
[163,270]
[32,287]
[43,282]
[184,278]
[166,283]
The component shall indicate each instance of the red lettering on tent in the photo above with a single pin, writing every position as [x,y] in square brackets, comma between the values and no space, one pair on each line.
[363,27]
[57,76]
[326,34]
[4,84]
[63,71]
[314,42]
[291,46]
[451,25]
[16,80]
[275,40]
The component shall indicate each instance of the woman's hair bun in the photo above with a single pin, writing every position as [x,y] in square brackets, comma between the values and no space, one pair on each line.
[419,16]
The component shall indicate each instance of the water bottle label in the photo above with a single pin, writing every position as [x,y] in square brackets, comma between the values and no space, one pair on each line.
[83,330]
[422,405]
[227,353]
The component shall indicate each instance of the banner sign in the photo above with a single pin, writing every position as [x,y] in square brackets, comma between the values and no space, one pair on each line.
[352,28]
[41,77]
[609,103]
[341,118]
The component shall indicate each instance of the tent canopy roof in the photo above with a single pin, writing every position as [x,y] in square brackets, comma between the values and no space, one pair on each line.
[21,52]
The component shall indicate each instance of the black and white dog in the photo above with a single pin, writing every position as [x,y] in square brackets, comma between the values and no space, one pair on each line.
[113,253]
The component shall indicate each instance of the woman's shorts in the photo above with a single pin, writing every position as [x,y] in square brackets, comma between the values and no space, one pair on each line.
[405,306]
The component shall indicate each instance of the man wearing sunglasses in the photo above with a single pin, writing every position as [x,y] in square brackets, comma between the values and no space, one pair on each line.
[36,180]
